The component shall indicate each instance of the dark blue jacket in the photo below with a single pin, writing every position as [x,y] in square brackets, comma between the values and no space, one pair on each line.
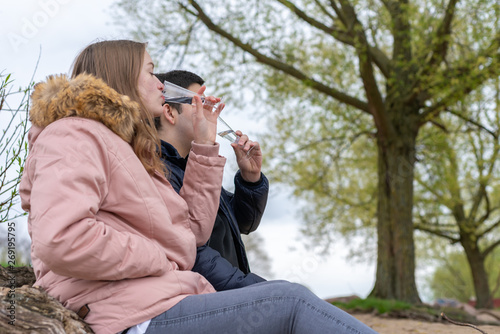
[219,272]
[224,255]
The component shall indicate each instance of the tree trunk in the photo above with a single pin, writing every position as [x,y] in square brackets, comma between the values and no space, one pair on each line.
[484,299]
[395,277]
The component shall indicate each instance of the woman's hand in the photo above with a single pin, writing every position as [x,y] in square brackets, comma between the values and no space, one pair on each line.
[205,120]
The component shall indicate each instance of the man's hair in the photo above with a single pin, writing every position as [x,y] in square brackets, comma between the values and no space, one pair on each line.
[180,78]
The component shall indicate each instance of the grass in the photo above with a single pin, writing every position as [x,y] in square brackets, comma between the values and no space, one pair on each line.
[398,309]
[381,306]
[6,264]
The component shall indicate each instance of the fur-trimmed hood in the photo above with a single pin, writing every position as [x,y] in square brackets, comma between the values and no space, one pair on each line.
[84,96]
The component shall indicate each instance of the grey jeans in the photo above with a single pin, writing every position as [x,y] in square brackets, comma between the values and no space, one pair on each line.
[268,307]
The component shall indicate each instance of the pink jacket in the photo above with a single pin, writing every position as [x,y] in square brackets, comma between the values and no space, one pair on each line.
[104,232]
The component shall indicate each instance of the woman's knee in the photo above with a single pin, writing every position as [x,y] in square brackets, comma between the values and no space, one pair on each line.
[289,289]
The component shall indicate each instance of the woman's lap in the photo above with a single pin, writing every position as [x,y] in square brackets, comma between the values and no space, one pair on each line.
[267,307]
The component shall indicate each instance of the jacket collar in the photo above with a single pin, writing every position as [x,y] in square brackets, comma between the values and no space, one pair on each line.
[170,153]
[83,96]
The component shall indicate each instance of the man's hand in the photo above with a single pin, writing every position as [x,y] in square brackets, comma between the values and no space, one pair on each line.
[250,167]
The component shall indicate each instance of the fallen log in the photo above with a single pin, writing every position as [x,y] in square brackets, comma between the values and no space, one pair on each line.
[28,309]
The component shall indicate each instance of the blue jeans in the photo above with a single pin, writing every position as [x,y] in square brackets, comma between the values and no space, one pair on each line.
[268,307]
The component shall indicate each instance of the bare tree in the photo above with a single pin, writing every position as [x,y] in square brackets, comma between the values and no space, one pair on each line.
[13,145]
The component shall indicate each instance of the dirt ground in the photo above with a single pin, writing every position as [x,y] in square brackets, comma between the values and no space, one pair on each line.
[385,325]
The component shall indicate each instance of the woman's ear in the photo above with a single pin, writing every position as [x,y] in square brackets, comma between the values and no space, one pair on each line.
[169,113]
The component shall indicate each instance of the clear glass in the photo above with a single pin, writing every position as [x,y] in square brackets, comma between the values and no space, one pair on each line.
[177,94]
[226,132]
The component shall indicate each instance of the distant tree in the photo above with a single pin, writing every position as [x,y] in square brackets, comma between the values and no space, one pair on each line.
[390,66]
[452,276]
[458,182]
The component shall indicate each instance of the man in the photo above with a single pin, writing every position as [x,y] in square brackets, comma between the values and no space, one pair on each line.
[240,212]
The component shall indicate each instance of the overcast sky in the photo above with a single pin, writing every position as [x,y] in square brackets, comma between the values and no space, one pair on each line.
[56,30]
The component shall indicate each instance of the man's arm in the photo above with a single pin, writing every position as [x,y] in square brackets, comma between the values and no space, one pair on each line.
[219,272]
[249,202]
[251,186]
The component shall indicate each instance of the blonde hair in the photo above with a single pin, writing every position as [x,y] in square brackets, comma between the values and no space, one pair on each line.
[119,63]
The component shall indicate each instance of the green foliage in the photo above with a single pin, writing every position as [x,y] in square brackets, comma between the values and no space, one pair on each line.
[13,145]
[330,167]
[456,193]
[374,304]
[452,277]
[6,265]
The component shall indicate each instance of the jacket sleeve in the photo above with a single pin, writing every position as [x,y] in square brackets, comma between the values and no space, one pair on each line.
[201,188]
[249,202]
[219,272]
[67,177]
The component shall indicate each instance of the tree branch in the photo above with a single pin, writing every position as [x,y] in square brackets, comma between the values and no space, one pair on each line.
[461,323]
[437,53]
[292,71]
[436,232]
[471,121]
[476,201]
[375,100]
[439,197]
[489,229]
[337,33]
[339,13]
[488,63]
[488,210]
[379,58]
[491,247]
[323,9]
[440,48]
[483,183]
[497,286]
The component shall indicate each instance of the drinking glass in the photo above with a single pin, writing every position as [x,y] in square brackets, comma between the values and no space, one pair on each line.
[226,132]
[177,94]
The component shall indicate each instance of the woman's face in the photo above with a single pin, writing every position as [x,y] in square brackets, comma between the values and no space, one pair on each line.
[150,87]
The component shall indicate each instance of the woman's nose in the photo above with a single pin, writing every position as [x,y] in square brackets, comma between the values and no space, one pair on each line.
[159,84]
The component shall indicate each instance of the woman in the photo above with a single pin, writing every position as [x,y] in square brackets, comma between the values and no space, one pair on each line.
[111,239]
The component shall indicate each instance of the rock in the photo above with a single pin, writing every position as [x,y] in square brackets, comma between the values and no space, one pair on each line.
[28,309]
